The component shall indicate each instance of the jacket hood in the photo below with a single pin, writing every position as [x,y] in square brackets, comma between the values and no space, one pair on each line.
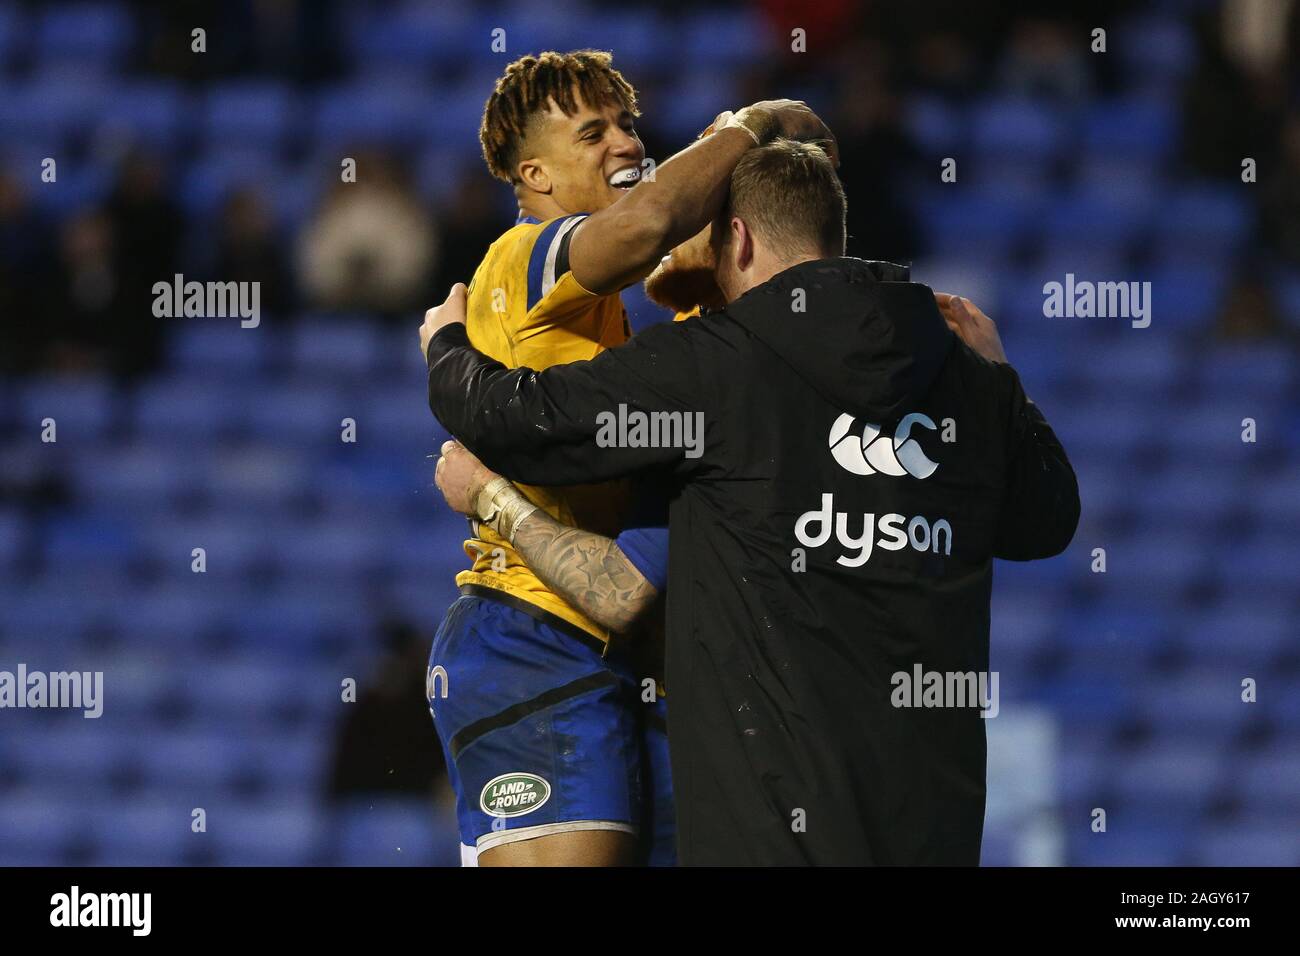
[869,340]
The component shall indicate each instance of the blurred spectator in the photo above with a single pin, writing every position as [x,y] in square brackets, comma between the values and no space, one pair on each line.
[386,742]
[84,312]
[295,39]
[878,151]
[250,250]
[1249,312]
[25,256]
[1232,103]
[1280,189]
[371,246]
[470,224]
[148,233]
[1046,56]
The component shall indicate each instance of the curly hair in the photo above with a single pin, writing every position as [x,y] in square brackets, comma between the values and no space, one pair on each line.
[528,83]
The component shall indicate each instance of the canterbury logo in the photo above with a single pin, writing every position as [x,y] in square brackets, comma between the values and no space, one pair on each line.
[871,452]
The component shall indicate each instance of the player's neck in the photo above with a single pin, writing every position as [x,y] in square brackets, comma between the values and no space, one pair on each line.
[764,268]
[539,206]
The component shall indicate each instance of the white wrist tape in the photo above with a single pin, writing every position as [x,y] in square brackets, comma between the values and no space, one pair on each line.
[503,507]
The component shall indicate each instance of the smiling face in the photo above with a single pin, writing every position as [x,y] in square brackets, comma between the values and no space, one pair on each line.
[579,162]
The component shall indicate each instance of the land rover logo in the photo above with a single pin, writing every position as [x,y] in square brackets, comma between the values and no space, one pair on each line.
[514,794]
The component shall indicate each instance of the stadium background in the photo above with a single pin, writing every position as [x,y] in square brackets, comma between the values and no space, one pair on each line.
[329,559]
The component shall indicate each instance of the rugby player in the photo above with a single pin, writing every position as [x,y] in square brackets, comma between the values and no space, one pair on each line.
[545,750]
[616,582]
[828,538]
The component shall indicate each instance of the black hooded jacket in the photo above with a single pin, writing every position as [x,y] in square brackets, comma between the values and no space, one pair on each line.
[860,469]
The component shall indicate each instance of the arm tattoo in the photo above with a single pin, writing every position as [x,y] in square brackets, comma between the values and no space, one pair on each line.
[587,570]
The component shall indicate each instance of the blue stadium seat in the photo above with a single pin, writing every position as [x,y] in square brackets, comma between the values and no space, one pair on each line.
[1090,705]
[938,127]
[1115,428]
[395,833]
[1182,495]
[1212,220]
[1147,127]
[340,550]
[964,222]
[1208,435]
[13,35]
[154,114]
[54,615]
[210,181]
[1154,47]
[191,763]
[1240,632]
[1136,366]
[1170,563]
[690,107]
[179,410]
[330,347]
[1083,765]
[231,552]
[284,625]
[248,686]
[417,36]
[247,834]
[369,114]
[1201,708]
[148,832]
[170,616]
[1274,500]
[14,542]
[83,409]
[72,539]
[1270,781]
[221,347]
[1017,129]
[1239,370]
[36,827]
[749,38]
[1083,220]
[399,418]
[1137,844]
[249,480]
[1248,846]
[305,413]
[264,113]
[1260,565]
[1021,626]
[296,764]
[76,752]
[85,33]
[1177,777]
[1115,635]
[133,477]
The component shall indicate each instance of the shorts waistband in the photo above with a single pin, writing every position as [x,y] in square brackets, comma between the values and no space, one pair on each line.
[536,613]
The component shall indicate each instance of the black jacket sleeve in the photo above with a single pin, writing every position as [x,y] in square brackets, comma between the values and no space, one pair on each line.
[544,428]
[1040,507]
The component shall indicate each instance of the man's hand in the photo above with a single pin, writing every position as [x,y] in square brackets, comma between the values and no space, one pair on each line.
[460,476]
[789,118]
[971,325]
[451,311]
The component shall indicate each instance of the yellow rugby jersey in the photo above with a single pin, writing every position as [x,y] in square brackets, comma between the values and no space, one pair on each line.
[525,308]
